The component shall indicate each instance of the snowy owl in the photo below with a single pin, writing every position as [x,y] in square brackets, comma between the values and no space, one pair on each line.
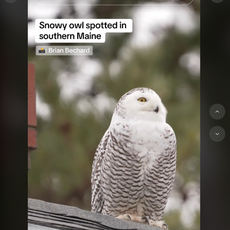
[135,163]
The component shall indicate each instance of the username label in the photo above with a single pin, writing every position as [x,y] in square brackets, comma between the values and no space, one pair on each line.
[64,50]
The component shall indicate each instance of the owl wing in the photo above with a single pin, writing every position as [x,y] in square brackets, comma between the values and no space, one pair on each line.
[162,173]
[166,162]
[97,200]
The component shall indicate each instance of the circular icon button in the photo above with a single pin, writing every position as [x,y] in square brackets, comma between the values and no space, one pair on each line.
[10,1]
[217,1]
[217,111]
[217,133]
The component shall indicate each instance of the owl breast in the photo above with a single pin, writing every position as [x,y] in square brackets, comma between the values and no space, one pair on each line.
[138,168]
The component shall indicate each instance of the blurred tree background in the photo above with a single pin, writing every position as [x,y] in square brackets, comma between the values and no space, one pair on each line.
[77,95]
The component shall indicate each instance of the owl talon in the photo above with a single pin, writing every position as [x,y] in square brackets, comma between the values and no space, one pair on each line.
[146,219]
[124,217]
[159,223]
[133,218]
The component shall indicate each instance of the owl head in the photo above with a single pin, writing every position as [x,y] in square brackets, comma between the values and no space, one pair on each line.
[141,104]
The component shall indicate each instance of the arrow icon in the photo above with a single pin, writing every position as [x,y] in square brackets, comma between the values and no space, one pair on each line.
[217,133]
[217,111]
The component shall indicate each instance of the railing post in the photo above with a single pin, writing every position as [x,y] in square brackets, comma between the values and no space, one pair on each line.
[32,119]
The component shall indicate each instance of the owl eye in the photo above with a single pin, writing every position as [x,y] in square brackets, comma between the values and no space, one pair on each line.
[142,99]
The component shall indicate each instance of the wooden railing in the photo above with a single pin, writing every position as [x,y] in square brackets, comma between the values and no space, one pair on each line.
[32,119]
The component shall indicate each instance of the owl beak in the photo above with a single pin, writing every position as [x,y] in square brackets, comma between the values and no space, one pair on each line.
[156,109]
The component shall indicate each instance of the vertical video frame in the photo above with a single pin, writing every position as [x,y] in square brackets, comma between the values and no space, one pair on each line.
[86,55]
